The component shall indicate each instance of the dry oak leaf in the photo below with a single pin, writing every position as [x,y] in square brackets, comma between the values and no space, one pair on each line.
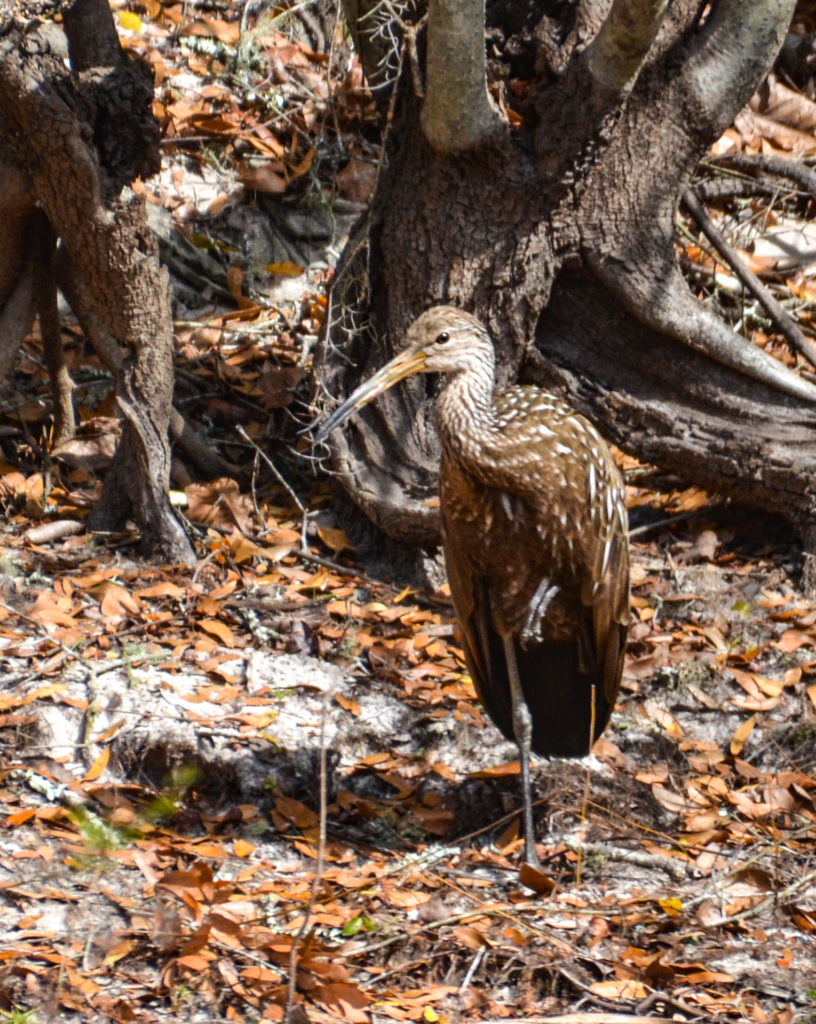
[792,640]
[227,32]
[99,765]
[115,601]
[277,384]
[335,539]
[357,180]
[219,503]
[623,988]
[775,100]
[220,630]
[267,177]
[93,446]
[741,734]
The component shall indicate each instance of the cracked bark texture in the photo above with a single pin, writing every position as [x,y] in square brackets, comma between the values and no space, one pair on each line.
[559,234]
[73,139]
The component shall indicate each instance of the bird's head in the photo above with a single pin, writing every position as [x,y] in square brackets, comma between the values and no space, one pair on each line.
[442,340]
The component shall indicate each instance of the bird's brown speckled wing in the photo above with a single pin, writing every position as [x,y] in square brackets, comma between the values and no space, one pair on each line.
[548,505]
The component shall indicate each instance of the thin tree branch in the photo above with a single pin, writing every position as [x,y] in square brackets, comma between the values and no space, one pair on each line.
[617,53]
[457,115]
[16,316]
[778,313]
[757,163]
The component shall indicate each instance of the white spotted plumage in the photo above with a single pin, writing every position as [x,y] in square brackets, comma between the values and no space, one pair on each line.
[534,528]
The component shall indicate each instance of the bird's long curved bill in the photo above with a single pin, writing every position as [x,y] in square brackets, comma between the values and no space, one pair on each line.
[401,366]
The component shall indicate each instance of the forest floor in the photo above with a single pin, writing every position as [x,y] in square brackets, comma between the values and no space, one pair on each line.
[272,767]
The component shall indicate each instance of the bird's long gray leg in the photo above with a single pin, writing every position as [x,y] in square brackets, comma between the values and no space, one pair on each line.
[523,732]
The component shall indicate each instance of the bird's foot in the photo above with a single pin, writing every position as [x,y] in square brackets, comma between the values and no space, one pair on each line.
[540,602]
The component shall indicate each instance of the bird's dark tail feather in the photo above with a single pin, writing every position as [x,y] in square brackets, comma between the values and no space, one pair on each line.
[558,694]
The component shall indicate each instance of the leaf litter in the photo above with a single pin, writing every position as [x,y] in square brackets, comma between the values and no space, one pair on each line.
[162,730]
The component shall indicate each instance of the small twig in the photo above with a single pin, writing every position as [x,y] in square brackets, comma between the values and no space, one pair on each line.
[662,1000]
[474,966]
[54,530]
[283,482]
[768,901]
[719,190]
[794,170]
[45,290]
[259,519]
[291,995]
[783,320]
[648,861]
[638,531]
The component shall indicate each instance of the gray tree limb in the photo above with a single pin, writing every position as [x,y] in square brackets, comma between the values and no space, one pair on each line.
[732,53]
[457,115]
[617,53]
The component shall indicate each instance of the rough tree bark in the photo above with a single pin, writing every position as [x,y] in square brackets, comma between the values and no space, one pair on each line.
[72,139]
[550,213]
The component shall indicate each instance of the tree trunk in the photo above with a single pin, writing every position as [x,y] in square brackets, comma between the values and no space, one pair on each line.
[558,232]
[72,141]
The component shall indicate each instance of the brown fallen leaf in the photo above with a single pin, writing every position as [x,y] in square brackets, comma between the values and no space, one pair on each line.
[220,630]
[93,446]
[623,988]
[267,177]
[536,880]
[741,734]
[219,503]
[335,539]
[775,100]
[277,385]
[356,181]
[99,765]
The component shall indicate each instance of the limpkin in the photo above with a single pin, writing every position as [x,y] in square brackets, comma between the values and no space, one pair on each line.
[535,538]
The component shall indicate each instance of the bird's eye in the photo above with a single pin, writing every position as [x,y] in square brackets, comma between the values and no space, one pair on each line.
[442,338]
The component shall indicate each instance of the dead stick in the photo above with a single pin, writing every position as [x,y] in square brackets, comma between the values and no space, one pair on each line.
[289,1009]
[777,312]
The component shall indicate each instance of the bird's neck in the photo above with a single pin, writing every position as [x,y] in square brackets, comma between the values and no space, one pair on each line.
[465,414]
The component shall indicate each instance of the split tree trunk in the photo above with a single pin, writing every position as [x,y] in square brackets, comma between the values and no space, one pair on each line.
[72,141]
[557,229]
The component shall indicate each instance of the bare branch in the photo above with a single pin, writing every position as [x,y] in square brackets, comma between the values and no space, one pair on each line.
[617,53]
[457,115]
[756,163]
[785,323]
